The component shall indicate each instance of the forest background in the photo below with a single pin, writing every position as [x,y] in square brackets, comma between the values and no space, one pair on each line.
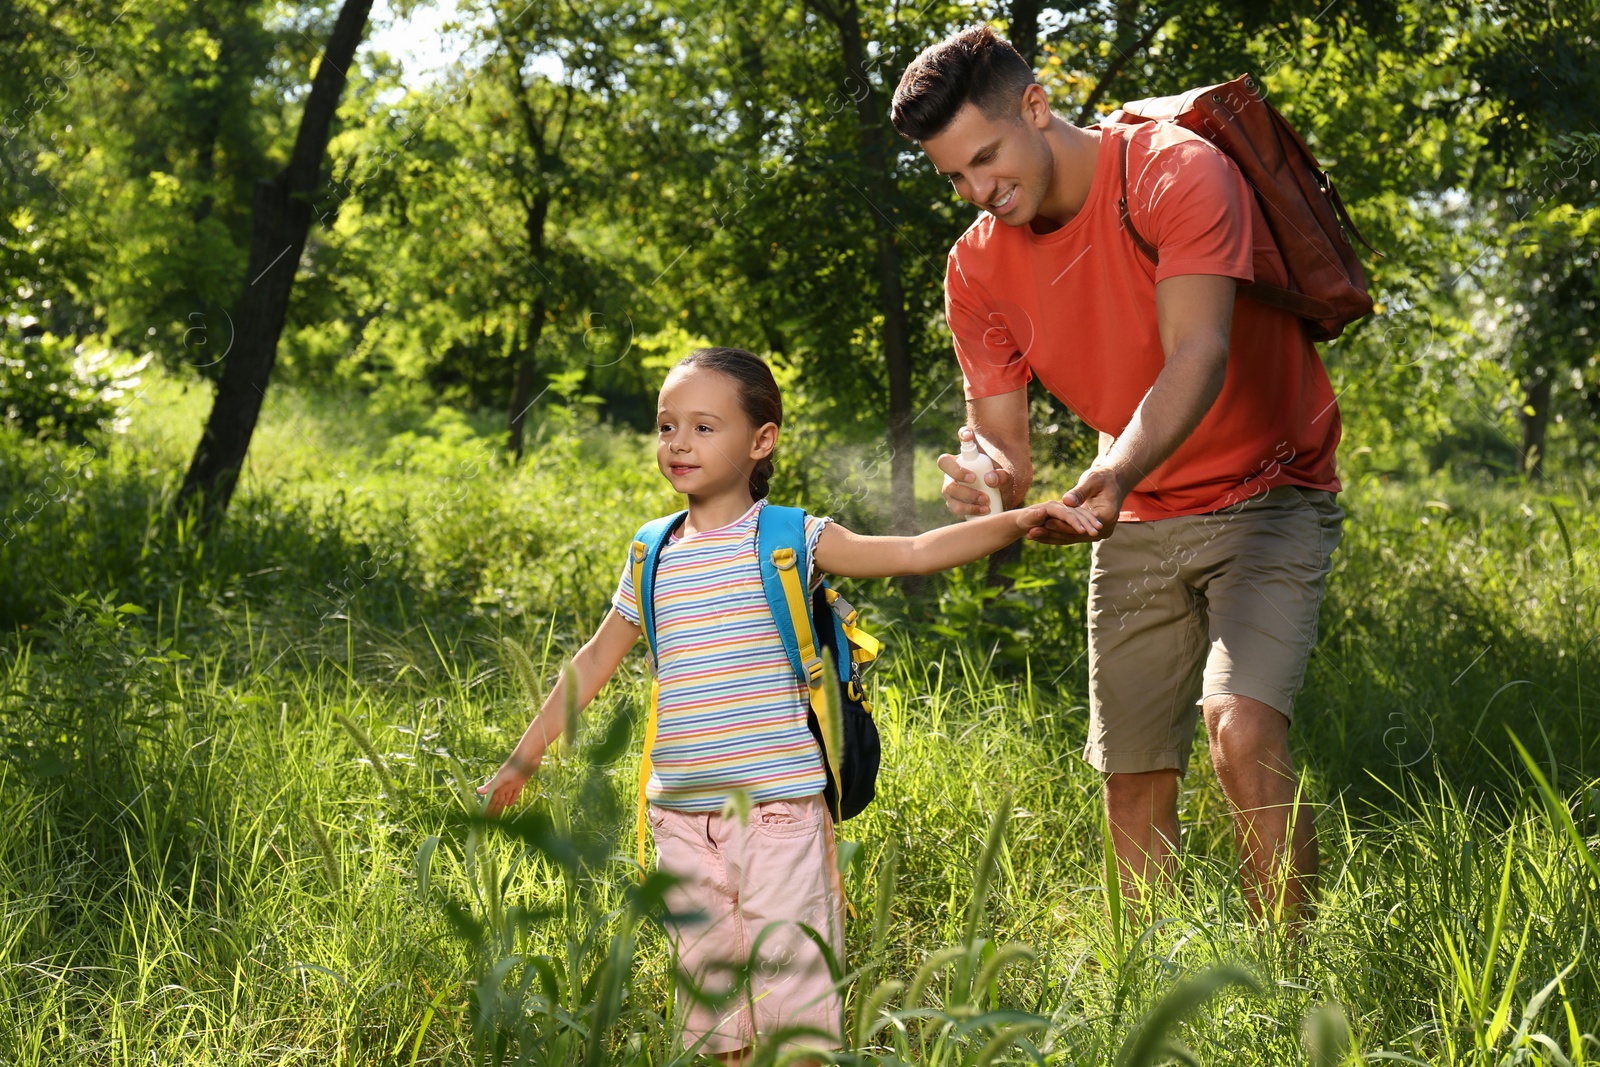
[271,518]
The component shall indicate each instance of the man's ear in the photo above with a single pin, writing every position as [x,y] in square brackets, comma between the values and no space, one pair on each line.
[765,441]
[1035,109]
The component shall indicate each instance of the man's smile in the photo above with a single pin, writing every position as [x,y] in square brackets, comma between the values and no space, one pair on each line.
[1004,204]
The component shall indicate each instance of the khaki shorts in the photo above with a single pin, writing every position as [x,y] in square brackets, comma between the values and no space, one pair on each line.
[745,889]
[1186,608]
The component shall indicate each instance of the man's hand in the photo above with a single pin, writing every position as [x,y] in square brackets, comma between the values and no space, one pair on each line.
[1054,522]
[505,787]
[1100,492]
[962,495]
[1092,507]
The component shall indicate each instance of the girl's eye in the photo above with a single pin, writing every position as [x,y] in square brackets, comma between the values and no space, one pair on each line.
[703,428]
[666,428]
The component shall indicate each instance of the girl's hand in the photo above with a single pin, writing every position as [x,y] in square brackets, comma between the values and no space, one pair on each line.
[505,787]
[1079,519]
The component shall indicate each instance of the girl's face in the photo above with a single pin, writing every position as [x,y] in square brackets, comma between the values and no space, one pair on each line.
[707,447]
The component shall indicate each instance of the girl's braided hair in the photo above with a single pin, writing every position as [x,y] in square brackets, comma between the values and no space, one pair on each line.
[758,396]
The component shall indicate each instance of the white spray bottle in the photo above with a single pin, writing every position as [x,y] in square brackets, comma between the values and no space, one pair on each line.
[973,459]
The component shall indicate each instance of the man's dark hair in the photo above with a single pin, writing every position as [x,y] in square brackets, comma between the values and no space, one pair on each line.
[977,65]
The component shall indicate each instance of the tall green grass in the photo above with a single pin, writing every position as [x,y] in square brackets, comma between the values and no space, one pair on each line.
[236,781]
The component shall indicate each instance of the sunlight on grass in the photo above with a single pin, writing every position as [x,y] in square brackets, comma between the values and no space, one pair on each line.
[237,781]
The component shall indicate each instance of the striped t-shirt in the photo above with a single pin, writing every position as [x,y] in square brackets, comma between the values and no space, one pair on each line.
[731,713]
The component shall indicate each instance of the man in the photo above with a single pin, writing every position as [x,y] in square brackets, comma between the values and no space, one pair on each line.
[1215,481]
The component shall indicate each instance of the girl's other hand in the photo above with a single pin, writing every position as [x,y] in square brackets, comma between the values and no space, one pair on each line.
[505,787]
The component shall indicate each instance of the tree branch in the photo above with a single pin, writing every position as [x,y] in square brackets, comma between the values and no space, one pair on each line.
[1086,112]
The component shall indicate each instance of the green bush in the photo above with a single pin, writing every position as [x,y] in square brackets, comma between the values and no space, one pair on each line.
[53,388]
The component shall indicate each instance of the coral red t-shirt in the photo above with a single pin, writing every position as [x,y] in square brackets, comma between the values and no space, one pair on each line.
[1077,308]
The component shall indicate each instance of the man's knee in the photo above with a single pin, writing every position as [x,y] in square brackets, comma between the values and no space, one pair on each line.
[1242,728]
[1250,750]
[1140,794]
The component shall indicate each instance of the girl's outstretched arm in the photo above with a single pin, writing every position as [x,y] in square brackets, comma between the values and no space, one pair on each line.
[587,674]
[852,555]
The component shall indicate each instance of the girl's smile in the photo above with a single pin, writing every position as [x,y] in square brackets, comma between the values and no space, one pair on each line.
[707,447]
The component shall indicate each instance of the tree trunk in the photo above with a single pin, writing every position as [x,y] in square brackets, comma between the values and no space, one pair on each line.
[876,162]
[1025,29]
[546,161]
[522,385]
[538,210]
[1535,418]
[280,220]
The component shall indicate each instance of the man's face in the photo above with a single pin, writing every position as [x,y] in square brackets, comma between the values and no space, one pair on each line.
[1002,165]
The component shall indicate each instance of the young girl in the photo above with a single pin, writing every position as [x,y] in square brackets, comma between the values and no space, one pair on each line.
[731,715]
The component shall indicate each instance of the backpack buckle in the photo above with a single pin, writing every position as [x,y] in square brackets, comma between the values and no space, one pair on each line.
[814,668]
[783,558]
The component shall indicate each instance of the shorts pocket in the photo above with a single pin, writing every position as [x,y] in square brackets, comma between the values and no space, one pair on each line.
[1320,501]
[785,818]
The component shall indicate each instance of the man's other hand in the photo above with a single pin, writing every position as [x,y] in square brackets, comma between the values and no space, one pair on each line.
[962,495]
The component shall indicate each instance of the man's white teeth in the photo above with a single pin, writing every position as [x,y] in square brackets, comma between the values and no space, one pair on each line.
[1007,200]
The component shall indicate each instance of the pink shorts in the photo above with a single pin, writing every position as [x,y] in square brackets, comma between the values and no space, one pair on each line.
[745,892]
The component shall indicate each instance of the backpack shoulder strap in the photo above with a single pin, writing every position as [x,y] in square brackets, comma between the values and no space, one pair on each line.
[646,553]
[781,551]
[1144,246]
[643,557]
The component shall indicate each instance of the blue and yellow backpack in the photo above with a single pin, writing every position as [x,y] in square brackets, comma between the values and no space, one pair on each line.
[808,626]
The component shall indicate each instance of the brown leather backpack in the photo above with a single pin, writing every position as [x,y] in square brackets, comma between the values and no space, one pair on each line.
[1308,221]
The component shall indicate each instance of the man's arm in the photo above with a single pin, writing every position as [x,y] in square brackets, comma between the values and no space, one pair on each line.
[1001,423]
[1194,313]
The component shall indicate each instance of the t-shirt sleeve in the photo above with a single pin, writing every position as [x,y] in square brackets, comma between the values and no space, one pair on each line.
[814,526]
[986,342]
[1196,210]
[626,600]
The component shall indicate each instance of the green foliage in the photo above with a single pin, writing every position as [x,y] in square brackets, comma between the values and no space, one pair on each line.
[241,794]
[52,388]
[697,170]
[97,698]
[237,771]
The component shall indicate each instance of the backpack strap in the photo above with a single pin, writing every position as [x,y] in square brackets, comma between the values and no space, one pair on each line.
[864,648]
[644,556]
[1144,246]
[781,549]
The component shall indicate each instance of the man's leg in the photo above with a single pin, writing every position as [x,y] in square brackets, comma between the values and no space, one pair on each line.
[1142,812]
[1272,824]
[1147,643]
[1262,572]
